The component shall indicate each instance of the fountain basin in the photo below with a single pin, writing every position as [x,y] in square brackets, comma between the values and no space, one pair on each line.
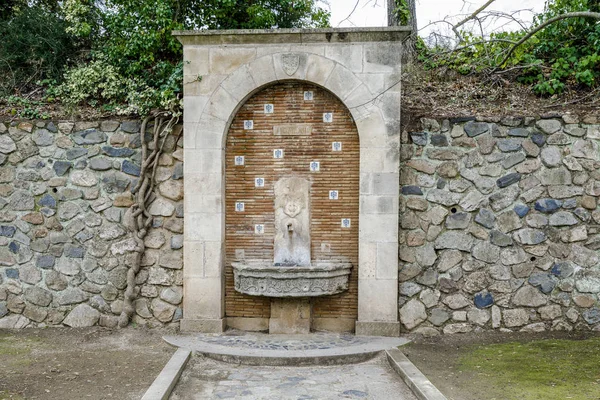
[263,278]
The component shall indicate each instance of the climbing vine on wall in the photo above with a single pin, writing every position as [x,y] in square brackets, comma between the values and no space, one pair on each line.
[138,219]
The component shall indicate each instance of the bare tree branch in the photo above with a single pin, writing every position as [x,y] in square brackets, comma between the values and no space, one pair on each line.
[351,12]
[442,21]
[470,17]
[516,67]
[585,14]
[441,53]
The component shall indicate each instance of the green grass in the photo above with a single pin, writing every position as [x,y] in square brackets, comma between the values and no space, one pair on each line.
[15,350]
[541,369]
[10,396]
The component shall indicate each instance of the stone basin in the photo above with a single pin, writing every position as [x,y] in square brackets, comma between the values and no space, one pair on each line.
[263,278]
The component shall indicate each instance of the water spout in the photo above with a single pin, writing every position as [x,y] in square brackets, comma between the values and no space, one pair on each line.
[292,222]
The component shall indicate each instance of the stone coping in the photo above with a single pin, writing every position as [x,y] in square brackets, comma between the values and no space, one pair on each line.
[290,36]
[414,379]
[165,382]
[270,349]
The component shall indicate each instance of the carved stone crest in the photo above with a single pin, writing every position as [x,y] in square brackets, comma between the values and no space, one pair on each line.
[290,63]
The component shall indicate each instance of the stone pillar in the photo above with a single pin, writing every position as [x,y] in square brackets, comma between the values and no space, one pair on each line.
[378,230]
[203,250]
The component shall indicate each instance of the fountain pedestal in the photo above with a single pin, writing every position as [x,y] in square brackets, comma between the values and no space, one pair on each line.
[290,316]
[290,289]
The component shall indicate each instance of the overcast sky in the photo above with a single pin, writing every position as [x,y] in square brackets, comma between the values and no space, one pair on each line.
[373,12]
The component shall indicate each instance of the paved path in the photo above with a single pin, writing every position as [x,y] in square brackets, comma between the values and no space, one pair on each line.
[205,378]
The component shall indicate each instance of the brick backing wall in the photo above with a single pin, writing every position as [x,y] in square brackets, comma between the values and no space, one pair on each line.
[338,171]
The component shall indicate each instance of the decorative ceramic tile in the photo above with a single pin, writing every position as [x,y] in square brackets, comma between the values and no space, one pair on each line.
[278,153]
[259,229]
[336,146]
[240,254]
[333,195]
[259,182]
[240,206]
[269,108]
[325,247]
[248,124]
[239,160]
[308,96]
[328,117]
[315,166]
[346,223]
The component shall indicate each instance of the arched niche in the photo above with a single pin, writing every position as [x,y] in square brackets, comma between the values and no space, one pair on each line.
[362,69]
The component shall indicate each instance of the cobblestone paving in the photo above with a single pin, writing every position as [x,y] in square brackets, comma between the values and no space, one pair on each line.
[208,379]
[280,342]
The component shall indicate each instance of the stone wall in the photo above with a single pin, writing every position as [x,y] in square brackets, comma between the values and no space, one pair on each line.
[500,225]
[64,251]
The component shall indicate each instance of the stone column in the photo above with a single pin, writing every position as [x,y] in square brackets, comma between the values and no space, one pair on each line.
[378,230]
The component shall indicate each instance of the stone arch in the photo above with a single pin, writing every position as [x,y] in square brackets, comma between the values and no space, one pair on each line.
[264,71]
[361,76]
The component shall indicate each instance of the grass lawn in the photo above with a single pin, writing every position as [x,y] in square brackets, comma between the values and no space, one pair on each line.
[541,369]
[511,366]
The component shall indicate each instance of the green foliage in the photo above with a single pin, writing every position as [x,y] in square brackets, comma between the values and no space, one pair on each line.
[8,8]
[571,47]
[34,46]
[101,84]
[564,54]
[262,14]
[25,108]
[402,12]
[120,55]
[82,18]
[136,63]
[97,80]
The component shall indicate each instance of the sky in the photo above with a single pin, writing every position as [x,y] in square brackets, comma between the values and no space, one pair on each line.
[373,12]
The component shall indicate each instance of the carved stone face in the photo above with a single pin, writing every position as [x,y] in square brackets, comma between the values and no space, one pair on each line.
[291,195]
[293,206]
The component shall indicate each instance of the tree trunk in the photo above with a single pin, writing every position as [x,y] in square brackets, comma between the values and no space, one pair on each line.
[391,6]
[412,21]
[409,43]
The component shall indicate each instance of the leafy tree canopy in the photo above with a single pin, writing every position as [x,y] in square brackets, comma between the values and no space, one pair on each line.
[113,53]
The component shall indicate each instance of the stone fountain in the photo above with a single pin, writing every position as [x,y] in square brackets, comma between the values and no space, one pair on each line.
[291,278]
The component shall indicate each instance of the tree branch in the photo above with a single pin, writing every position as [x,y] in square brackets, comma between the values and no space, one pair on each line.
[585,14]
[470,17]
[474,44]
[351,12]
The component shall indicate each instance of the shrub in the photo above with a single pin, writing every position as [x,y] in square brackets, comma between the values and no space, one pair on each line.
[34,46]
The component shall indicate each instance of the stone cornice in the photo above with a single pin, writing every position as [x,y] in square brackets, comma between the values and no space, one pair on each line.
[279,36]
